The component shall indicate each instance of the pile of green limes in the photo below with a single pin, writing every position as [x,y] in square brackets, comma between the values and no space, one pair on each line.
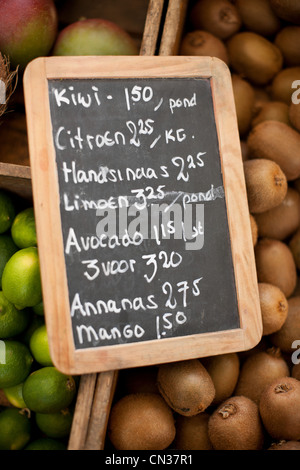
[41,398]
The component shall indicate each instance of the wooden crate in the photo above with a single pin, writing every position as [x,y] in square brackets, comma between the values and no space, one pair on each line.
[96,391]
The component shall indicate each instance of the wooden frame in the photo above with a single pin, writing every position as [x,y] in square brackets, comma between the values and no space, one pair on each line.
[49,231]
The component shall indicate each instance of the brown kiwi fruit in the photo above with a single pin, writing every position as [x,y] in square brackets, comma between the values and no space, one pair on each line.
[141,421]
[275,265]
[203,43]
[276,141]
[288,40]
[283,220]
[274,307]
[260,370]
[272,111]
[254,57]
[294,115]
[294,245]
[224,370]
[254,229]
[236,425]
[279,409]
[263,345]
[296,370]
[186,386]
[281,87]
[285,445]
[218,17]
[290,330]
[244,102]
[266,184]
[192,432]
[138,380]
[261,97]
[258,16]
[288,10]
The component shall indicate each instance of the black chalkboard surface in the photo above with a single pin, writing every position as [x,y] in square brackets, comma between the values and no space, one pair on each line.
[143,191]
[146,147]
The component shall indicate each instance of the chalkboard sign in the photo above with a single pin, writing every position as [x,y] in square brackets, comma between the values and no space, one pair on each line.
[142,219]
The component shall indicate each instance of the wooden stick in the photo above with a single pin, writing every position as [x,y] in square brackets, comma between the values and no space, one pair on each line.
[82,411]
[152,26]
[173,27]
[104,392]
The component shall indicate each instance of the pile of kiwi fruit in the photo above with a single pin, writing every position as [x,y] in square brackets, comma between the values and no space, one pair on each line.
[246,400]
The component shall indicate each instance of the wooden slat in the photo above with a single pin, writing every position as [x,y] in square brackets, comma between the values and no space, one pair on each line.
[82,412]
[104,393]
[17,179]
[173,27]
[152,27]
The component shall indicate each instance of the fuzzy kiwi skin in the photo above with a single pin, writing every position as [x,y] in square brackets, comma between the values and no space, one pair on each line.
[279,409]
[254,229]
[260,370]
[203,43]
[224,370]
[258,16]
[262,97]
[283,220]
[272,111]
[186,386]
[244,102]
[218,17]
[288,40]
[288,10]
[285,445]
[192,432]
[290,330]
[294,115]
[281,87]
[141,421]
[275,265]
[274,307]
[266,184]
[236,425]
[254,57]
[276,141]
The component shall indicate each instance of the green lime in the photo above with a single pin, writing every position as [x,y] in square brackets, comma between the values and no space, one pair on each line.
[15,363]
[21,282]
[45,443]
[12,320]
[7,211]
[15,429]
[36,321]
[7,249]
[39,309]
[23,230]
[47,390]
[15,396]
[39,346]
[56,425]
